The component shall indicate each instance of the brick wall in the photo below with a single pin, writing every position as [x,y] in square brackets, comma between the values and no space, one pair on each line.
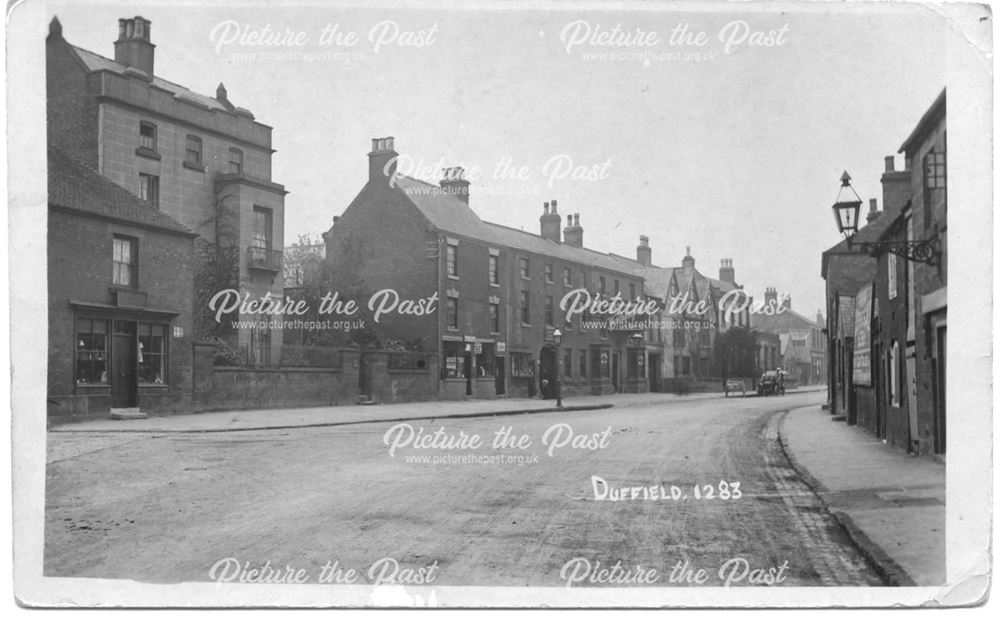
[72,106]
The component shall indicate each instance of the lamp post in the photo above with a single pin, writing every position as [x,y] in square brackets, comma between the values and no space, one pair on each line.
[557,339]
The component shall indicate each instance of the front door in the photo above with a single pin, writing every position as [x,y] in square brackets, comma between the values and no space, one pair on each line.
[654,373]
[547,372]
[939,389]
[501,376]
[124,378]
[615,369]
[468,369]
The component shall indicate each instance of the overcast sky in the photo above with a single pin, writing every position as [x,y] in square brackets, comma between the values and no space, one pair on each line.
[736,153]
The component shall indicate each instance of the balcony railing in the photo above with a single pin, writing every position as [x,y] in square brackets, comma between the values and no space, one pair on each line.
[263,259]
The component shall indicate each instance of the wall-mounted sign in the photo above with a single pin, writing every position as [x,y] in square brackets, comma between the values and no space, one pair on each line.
[863,337]
[501,347]
[477,348]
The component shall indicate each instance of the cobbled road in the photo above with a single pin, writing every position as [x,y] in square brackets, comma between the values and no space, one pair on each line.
[168,508]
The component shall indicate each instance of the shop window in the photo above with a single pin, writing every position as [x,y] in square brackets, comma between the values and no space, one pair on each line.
[522,365]
[454,360]
[567,363]
[91,351]
[583,363]
[125,261]
[636,364]
[152,356]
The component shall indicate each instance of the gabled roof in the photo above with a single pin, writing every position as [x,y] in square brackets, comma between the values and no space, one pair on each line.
[72,185]
[96,62]
[449,214]
[927,121]
[785,321]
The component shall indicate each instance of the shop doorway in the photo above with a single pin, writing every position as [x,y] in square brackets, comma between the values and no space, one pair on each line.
[124,366]
[547,372]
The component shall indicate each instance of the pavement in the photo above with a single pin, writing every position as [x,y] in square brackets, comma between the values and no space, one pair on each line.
[891,504]
[330,416]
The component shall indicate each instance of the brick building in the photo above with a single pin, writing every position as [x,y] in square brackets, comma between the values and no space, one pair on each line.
[894,386]
[494,292]
[199,159]
[119,289]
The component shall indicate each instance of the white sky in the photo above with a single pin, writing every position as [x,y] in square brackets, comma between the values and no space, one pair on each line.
[737,156]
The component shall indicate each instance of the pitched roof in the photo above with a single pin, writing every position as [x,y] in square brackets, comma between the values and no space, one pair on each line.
[924,125]
[785,321]
[73,185]
[96,62]
[449,214]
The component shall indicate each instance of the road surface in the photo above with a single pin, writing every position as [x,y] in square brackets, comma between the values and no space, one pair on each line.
[572,498]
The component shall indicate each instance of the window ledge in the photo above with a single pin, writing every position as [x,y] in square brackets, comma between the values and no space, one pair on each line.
[149,153]
[192,166]
[495,284]
[452,277]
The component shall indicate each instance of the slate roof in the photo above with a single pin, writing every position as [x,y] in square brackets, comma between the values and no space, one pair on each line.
[73,185]
[786,321]
[449,214]
[96,62]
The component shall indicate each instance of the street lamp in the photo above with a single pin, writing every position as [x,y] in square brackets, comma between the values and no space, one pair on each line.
[846,210]
[557,339]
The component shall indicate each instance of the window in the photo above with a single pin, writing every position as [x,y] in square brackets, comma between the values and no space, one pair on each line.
[152,356]
[525,308]
[549,311]
[149,189]
[494,270]
[631,291]
[934,179]
[524,268]
[452,313]
[602,362]
[567,363]
[236,161]
[494,318]
[125,262]
[601,285]
[892,271]
[521,365]
[454,360]
[583,363]
[91,351]
[147,136]
[617,287]
[452,260]
[934,170]
[548,272]
[567,277]
[261,227]
[680,337]
[192,151]
[636,364]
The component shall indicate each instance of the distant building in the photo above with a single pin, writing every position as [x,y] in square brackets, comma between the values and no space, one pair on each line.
[201,160]
[802,345]
[119,289]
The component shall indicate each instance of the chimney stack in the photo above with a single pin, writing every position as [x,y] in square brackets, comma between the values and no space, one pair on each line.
[133,47]
[873,212]
[573,233]
[895,186]
[770,296]
[382,159]
[727,273]
[688,262]
[643,253]
[551,223]
[890,163]
[455,183]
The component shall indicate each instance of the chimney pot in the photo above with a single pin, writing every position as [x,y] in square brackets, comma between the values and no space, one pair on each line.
[554,205]
[455,183]
[890,163]
[382,159]
[133,47]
